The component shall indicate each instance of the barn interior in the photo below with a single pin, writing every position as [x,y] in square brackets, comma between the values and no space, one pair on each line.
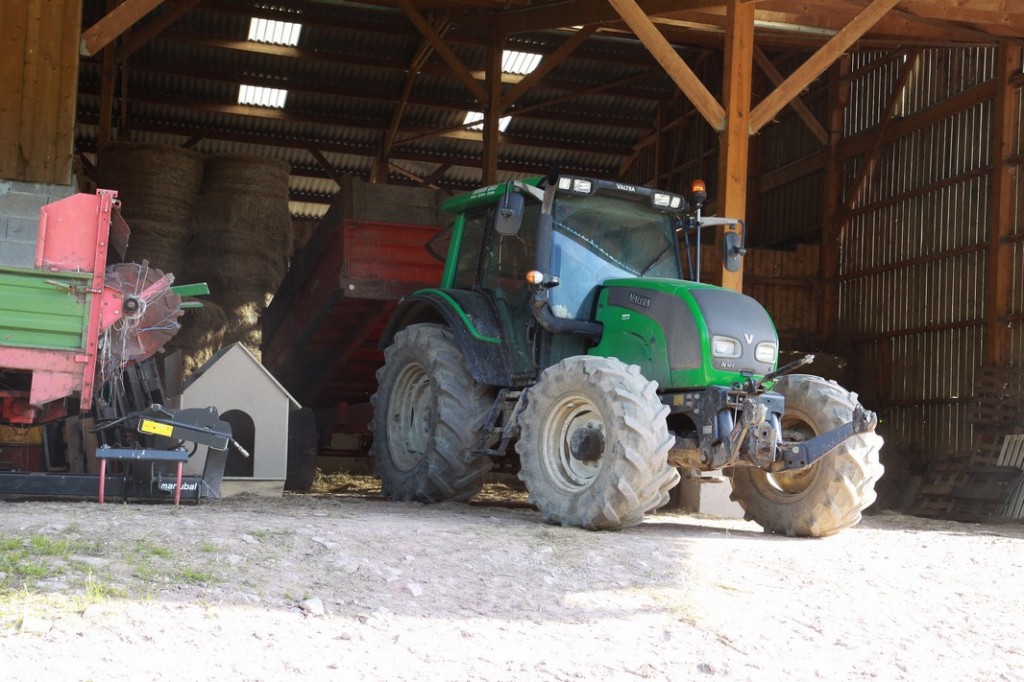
[871,148]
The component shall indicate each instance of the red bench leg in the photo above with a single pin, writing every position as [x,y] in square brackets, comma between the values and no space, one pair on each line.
[103,478]
[177,487]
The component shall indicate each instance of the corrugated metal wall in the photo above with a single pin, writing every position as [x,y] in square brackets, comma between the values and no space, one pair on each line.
[1016,322]
[913,261]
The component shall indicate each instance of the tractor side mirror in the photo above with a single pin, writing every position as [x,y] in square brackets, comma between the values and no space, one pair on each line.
[732,250]
[509,217]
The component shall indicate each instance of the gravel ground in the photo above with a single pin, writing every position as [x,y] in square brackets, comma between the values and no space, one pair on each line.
[350,587]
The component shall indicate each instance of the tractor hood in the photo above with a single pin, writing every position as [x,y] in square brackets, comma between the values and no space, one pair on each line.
[686,334]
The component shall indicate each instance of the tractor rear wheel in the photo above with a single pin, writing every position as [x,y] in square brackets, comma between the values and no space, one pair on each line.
[594,444]
[427,413]
[829,495]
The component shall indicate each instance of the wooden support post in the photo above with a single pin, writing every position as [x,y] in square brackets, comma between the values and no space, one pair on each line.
[122,121]
[733,146]
[108,82]
[1005,134]
[831,221]
[492,108]
[659,144]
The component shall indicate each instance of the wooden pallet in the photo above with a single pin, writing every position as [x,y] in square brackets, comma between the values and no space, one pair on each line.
[1012,455]
[957,489]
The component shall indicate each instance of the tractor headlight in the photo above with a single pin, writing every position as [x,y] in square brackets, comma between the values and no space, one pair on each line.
[575,185]
[766,353]
[725,347]
[665,200]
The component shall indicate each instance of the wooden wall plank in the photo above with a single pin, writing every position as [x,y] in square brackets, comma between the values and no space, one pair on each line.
[38,82]
[67,94]
[33,92]
[13,33]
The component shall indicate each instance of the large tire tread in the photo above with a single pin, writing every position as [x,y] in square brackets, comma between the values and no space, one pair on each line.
[839,487]
[459,407]
[635,476]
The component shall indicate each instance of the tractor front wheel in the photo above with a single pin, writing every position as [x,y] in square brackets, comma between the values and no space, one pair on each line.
[594,444]
[829,495]
[427,413]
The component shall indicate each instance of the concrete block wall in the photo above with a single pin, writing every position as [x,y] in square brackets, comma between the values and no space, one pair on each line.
[19,218]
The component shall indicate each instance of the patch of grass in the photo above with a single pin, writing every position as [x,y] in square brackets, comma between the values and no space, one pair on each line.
[96,591]
[45,545]
[21,561]
[143,547]
[145,572]
[278,538]
[208,547]
[196,576]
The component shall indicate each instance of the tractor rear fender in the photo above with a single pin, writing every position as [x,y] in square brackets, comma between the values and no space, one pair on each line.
[470,318]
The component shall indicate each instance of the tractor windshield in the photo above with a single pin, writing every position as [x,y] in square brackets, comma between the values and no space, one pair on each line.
[600,237]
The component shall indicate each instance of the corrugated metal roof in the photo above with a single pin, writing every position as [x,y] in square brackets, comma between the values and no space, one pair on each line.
[350,74]
[345,81]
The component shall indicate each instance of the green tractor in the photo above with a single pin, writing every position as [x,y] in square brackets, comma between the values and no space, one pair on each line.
[564,334]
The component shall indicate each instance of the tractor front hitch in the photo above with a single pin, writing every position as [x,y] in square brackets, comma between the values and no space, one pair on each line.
[800,455]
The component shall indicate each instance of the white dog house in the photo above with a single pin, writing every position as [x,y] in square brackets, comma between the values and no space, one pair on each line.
[249,398]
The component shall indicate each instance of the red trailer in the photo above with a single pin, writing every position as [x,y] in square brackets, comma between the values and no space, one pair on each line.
[320,332]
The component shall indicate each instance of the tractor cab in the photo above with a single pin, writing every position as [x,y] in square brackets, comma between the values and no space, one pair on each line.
[542,249]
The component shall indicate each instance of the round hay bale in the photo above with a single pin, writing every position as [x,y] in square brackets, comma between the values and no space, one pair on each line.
[158,186]
[232,174]
[154,182]
[241,238]
[162,244]
[244,325]
[201,335]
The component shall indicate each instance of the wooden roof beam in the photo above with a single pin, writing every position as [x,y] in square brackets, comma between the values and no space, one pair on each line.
[291,142]
[817,63]
[443,51]
[680,73]
[376,62]
[548,63]
[136,39]
[805,114]
[423,53]
[109,28]
[584,12]
[339,91]
[586,91]
[326,166]
[870,160]
[897,26]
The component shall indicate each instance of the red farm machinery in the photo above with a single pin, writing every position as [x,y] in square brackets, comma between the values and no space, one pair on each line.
[77,341]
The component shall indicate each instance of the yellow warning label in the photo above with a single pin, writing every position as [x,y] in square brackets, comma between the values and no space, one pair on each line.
[155,428]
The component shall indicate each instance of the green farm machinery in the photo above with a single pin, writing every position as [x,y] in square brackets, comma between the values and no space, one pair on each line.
[570,332]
